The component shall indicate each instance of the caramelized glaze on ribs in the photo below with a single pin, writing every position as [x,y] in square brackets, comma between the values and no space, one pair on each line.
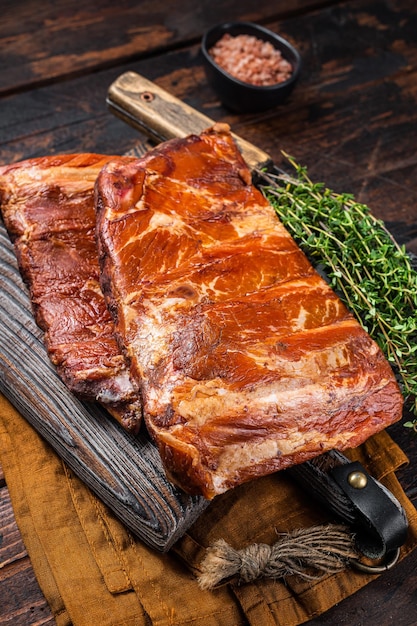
[248,361]
[48,209]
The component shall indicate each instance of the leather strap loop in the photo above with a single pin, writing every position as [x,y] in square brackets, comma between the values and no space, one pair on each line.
[380,521]
[374,514]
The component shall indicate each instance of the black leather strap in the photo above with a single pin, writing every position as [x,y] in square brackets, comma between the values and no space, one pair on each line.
[380,521]
[345,488]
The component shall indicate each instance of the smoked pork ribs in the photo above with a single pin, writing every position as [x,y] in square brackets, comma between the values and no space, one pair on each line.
[48,209]
[248,362]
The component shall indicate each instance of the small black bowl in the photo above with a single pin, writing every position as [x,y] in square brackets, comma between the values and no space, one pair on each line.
[243,97]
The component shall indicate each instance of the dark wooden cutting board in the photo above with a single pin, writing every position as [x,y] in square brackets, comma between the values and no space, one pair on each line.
[124,471]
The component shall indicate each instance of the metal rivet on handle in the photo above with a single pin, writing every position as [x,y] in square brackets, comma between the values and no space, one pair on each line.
[357,480]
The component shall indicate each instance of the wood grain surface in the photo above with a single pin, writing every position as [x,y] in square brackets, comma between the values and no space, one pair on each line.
[352,121]
[43,42]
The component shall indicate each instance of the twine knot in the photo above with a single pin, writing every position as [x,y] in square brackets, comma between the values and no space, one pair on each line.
[254,561]
[308,553]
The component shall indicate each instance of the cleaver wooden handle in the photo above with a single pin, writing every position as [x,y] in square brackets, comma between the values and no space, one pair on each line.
[142,104]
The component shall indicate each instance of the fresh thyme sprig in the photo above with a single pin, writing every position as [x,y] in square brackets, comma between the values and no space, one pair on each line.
[363,263]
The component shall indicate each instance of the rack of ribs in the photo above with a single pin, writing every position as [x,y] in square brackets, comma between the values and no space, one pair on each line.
[48,209]
[247,361]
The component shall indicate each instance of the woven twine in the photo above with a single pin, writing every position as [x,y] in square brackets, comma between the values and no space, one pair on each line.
[308,553]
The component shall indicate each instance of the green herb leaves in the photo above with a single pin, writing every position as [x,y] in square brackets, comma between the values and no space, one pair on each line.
[372,274]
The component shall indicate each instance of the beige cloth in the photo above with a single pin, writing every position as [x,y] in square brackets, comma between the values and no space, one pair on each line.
[92,570]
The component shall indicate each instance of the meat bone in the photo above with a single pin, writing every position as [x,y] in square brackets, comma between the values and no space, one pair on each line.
[344,487]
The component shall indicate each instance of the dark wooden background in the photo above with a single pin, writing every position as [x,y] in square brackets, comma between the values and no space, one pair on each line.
[352,120]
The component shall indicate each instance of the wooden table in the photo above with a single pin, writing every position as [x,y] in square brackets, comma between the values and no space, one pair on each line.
[352,121]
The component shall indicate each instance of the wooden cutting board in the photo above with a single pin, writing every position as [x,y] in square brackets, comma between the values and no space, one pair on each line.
[124,471]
